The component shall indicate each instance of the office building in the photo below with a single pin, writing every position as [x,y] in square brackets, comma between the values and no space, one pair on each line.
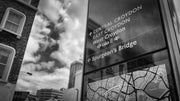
[24,96]
[47,94]
[16,17]
[75,82]
[78,82]
[71,94]
[76,66]
[31,97]
[20,95]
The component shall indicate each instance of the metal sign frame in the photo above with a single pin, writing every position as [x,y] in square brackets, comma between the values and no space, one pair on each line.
[171,41]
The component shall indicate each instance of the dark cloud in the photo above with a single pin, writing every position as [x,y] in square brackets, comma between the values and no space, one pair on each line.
[42,15]
[55,32]
[50,70]
[45,56]
[28,62]
[48,42]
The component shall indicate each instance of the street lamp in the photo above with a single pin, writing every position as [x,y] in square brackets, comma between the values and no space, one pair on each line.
[77,94]
[28,73]
[23,73]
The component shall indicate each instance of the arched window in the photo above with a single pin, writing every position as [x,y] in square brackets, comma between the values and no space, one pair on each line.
[7,54]
[13,21]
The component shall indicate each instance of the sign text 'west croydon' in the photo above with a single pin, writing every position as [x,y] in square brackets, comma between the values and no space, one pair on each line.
[109,32]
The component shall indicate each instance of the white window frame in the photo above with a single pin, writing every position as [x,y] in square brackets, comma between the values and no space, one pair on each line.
[7,69]
[5,17]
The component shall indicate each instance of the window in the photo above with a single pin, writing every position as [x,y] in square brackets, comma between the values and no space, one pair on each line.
[13,21]
[6,59]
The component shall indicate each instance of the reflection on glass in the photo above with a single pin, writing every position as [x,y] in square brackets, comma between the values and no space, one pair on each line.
[144,79]
[119,30]
[149,84]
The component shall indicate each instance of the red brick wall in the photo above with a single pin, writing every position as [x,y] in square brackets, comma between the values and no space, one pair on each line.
[11,40]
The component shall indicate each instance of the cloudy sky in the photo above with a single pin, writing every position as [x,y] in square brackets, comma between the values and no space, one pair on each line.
[56,40]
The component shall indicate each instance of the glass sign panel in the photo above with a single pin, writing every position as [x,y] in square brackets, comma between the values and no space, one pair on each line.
[118,30]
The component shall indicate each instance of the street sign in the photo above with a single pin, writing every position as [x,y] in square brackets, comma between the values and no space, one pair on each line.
[118,30]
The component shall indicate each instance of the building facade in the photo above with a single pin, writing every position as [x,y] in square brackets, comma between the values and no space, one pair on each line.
[48,94]
[71,94]
[132,51]
[20,95]
[75,82]
[31,97]
[78,82]
[16,17]
[24,96]
[76,66]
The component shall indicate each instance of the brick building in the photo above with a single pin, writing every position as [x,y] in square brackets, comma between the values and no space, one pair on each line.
[16,17]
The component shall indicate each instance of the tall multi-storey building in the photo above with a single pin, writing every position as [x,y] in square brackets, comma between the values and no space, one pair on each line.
[78,81]
[24,96]
[75,82]
[32,98]
[20,95]
[71,94]
[16,17]
[47,94]
[75,67]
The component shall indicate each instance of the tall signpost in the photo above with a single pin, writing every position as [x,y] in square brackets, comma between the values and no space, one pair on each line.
[128,52]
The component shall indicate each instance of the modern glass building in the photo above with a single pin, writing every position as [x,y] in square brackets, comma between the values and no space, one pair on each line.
[132,51]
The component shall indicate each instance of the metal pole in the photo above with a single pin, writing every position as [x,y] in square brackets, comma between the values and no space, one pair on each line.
[77,94]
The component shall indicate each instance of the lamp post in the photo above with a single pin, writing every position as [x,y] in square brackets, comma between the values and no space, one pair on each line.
[28,73]
[77,94]
[23,73]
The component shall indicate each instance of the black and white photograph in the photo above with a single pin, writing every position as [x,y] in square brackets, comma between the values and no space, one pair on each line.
[89,50]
